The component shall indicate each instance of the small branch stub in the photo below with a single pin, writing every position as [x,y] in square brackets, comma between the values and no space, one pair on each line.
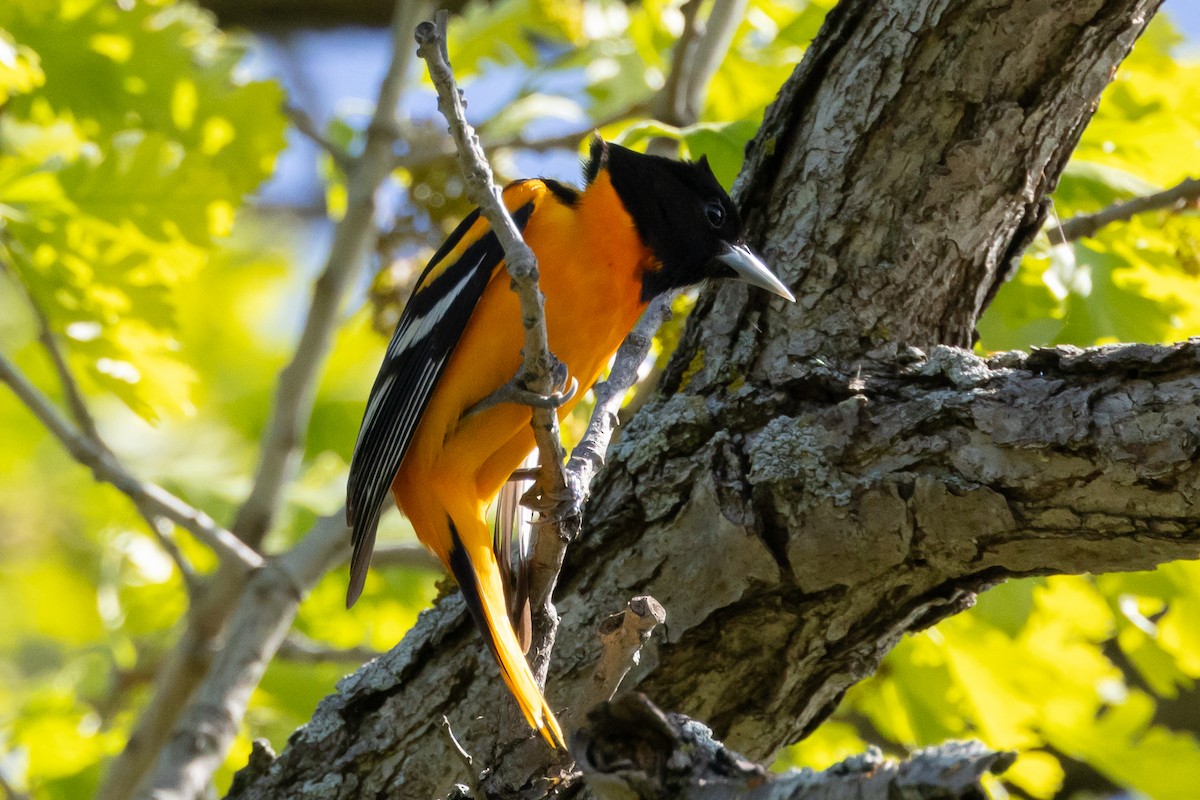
[622,636]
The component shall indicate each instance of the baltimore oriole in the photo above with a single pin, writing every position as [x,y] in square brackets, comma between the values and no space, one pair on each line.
[643,225]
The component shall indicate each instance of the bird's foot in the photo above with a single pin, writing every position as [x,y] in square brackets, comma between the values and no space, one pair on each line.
[512,392]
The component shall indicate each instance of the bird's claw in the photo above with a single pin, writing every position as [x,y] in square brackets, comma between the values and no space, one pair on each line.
[511,392]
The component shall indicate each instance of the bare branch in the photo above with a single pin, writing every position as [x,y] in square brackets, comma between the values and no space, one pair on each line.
[263,616]
[1084,225]
[670,105]
[301,649]
[698,53]
[710,50]
[159,526]
[409,556]
[305,124]
[588,455]
[74,396]
[352,243]
[107,468]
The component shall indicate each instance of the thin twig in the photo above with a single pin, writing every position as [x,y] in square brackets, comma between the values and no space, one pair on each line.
[588,455]
[473,775]
[161,530]
[1084,225]
[305,125]
[302,650]
[107,468]
[541,372]
[74,395]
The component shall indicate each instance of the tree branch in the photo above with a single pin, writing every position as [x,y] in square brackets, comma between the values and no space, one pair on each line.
[152,498]
[622,636]
[671,103]
[709,52]
[305,125]
[302,650]
[226,593]
[352,243]
[159,525]
[588,455]
[260,623]
[632,749]
[1084,225]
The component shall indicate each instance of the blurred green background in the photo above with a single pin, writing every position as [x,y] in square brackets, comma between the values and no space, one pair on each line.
[136,145]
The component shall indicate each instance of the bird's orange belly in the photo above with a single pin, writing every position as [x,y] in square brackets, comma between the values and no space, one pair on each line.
[476,455]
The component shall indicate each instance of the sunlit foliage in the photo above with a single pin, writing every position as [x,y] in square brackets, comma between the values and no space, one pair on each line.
[128,148]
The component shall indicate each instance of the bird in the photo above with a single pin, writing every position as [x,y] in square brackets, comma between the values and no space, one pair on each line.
[642,225]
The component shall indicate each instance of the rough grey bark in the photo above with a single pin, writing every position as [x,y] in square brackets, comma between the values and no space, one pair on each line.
[631,749]
[809,485]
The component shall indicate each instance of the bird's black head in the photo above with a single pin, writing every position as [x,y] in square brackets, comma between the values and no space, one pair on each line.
[684,216]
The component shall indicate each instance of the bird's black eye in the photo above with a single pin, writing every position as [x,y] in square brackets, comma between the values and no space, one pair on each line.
[714,214]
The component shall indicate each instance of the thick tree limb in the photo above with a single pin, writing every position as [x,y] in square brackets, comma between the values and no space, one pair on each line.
[632,749]
[263,616]
[809,486]
[823,526]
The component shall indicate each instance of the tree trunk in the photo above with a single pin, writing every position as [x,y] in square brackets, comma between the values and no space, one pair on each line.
[815,480]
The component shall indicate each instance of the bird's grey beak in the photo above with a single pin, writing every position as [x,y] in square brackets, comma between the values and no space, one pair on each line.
[752,270]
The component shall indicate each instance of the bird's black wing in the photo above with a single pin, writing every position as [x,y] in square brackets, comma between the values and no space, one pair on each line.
[428,331]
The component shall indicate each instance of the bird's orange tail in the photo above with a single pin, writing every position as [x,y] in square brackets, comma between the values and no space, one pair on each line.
[478,575]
